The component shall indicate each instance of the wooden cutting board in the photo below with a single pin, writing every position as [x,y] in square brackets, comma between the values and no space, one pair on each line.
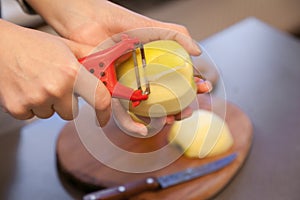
[80,166]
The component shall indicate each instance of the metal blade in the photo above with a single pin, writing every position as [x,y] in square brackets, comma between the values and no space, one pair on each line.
[192,173]
[136,70]
[147,90]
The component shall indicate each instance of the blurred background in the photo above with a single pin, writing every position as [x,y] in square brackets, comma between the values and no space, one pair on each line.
[206,17]
[202,17]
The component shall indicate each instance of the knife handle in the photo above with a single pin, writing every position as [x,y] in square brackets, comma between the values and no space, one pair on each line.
[124,191]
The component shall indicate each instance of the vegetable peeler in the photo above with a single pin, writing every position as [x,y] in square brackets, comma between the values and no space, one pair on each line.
[103,65]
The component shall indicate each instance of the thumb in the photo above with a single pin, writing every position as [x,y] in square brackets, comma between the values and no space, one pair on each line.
[94,92]
[124,121]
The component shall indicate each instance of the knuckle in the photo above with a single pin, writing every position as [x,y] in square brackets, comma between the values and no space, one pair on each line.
[36,98]
[182,28]
[55,89]
[62,83]
[103,102]
[71,70]
[19,112]
[179,28]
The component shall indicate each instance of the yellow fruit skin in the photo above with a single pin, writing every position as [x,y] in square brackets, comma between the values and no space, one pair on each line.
[170,73]
[202,135]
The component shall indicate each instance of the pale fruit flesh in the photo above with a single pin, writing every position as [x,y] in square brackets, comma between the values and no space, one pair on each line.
[204,134]
[169,71]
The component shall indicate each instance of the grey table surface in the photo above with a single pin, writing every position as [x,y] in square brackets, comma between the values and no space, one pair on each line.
[260,70]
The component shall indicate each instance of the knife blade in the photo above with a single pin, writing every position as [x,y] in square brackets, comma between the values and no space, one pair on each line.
[154,183]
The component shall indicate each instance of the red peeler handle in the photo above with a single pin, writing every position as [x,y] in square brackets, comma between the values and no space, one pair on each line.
[102,65]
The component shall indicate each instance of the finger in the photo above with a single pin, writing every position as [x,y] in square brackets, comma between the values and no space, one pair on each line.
[206,67]
[40,105]
[154,124]
[13,107]
[185,113]
[21,115]
[103,116]
[94,92]
[170,119]
[203,86]
[125,122]
[182,36]
[67,107]
[43,112]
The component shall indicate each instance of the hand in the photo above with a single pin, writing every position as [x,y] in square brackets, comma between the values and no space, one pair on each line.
[38,74]
[203,86]
[93,21]
[129,126]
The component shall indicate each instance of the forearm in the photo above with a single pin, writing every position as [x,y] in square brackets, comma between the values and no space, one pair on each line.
[5,26]
[66,15]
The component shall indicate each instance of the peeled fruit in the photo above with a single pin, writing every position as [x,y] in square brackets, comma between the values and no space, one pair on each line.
[202,135]
[169,71]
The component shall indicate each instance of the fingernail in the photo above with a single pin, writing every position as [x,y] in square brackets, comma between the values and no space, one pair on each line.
[143,131]
[205,87]
[200,80]
[170,120]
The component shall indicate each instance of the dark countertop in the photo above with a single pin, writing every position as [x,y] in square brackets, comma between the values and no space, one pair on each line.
[260,69]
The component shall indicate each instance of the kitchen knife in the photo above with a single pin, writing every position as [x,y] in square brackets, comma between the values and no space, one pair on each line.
[154,183]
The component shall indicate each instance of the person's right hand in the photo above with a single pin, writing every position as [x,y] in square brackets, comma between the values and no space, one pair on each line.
[40,75]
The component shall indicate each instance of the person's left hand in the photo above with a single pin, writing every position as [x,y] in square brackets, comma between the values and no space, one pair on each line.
[130,126]
[93,21]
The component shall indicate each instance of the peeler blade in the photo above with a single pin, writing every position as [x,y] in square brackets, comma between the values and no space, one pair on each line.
[136,69]
[147,90]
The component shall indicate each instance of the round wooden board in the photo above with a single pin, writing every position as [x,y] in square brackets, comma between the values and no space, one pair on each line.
[76,163]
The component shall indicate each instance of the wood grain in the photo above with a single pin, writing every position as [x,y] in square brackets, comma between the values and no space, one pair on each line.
[79,166]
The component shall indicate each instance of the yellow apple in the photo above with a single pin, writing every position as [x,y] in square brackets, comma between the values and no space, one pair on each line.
[169,71]
[202,135]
